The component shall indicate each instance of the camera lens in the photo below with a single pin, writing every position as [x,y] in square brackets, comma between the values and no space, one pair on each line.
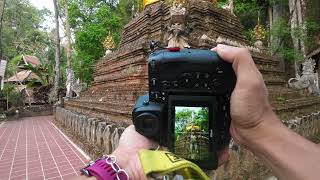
[148,123]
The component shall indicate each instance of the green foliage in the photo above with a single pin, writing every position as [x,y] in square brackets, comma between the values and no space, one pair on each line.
[202,119]
[22,32]
[92,21]
[280,99]
[283,32]
[12,65]
[14,97]
[188,117]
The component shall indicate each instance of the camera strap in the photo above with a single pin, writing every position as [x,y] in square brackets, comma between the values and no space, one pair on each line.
[162,163]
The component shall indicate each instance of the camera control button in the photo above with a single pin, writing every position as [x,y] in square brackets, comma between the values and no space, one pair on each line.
[153,81]
[175,83]
[165,84]
[198,75]
[154,95]
[206,75]
[146,102]
[216,83]
[224,107]
[219,70]
[153,65]
[186,75]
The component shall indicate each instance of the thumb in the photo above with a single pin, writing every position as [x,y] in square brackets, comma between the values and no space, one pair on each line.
[241,60]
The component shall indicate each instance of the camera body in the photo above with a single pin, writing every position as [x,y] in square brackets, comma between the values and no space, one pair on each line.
[187,108]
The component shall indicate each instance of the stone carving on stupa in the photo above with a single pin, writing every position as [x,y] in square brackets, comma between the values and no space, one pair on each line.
[307,80]
[177,31]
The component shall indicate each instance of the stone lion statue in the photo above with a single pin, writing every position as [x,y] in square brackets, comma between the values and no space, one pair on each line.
[307,80]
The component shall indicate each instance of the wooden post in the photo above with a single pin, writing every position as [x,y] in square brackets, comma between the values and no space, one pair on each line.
[7,99]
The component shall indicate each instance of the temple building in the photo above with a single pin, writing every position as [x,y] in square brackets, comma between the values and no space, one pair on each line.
[25,76]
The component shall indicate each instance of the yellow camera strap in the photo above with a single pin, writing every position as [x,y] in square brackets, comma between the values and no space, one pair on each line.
[164,163]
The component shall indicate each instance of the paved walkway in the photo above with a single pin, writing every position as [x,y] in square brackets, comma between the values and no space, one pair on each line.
[34,149]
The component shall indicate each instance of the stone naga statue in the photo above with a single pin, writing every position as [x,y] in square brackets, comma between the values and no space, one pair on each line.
[229,6]
[73,85]
[307,80]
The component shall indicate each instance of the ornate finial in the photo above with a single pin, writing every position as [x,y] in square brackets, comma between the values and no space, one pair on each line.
[148,2]
[259,32]
[109,43]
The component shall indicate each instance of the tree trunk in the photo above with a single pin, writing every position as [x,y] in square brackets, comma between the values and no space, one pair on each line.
[231,5]
[68,33]
[270,19]
[296,22]
[1,22]
[57,56]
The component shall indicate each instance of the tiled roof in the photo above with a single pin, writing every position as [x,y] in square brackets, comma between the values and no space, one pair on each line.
[32,60]
[20,76]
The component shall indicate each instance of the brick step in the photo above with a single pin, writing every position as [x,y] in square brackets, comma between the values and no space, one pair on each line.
[113,96]
[284,95]
[124,109]
[297,112]
[275,81]
[298,106]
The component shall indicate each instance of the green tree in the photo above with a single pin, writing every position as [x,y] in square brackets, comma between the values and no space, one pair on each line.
[202,119]
[22,31]
[182,118]
[92,21]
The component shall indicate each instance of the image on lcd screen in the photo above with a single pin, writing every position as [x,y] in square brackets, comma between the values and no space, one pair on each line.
[191,133]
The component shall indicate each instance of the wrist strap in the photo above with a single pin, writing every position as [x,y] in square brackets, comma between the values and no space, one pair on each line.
[163,163]
[105,168]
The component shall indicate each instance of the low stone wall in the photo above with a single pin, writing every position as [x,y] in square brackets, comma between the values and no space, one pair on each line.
[36,110]
[98,134]
[98,137]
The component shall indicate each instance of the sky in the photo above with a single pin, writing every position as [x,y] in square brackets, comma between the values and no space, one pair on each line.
[48,4]
[40,4]
[49,23]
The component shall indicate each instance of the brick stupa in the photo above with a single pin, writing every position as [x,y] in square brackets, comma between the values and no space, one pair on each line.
[122,75]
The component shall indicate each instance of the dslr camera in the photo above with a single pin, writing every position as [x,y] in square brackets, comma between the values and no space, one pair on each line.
[187,108]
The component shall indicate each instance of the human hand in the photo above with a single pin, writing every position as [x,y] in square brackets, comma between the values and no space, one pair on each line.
[250,108]
[127,152]
[127,157]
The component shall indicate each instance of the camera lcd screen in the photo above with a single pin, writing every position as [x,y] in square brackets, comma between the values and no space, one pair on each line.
[191,133]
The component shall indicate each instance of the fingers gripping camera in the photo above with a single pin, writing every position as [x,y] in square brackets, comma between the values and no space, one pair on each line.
[187,108]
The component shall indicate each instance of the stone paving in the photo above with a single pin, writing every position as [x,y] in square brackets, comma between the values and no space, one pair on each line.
[34,149]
